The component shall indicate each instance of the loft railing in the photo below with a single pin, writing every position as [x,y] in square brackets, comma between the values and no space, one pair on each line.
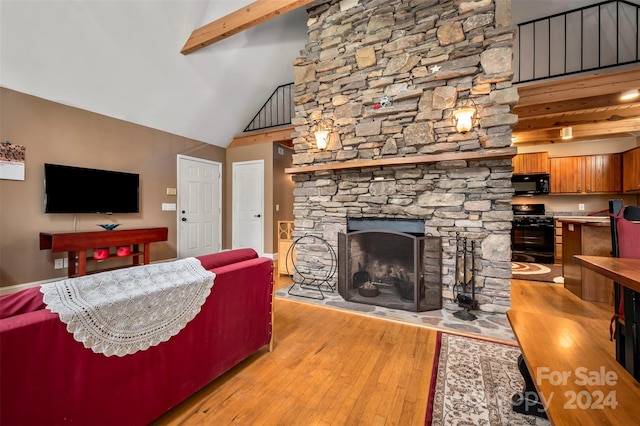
[276,111]
[589,38]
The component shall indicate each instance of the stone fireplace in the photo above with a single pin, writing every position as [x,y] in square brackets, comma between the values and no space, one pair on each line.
[386,77]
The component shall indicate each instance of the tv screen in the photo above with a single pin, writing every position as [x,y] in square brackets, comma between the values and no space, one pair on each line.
[70,189]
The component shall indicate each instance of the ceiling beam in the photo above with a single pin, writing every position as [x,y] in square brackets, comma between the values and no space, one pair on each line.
[579,87]
[275,134]
[619,128]
[249,16]
[572,118]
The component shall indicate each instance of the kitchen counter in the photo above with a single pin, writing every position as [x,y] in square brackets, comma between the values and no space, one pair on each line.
[591,236]
[585,220]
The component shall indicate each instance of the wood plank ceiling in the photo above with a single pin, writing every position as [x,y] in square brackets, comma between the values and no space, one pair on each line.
[591,105]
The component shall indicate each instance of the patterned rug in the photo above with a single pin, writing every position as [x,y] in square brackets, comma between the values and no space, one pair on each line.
[537,272]
[472,383]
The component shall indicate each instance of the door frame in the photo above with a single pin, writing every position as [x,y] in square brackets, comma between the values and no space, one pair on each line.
[179,158]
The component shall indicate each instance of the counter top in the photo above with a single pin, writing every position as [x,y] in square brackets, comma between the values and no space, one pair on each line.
[585,220]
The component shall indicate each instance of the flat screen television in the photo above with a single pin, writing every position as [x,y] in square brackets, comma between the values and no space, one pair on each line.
[69,189]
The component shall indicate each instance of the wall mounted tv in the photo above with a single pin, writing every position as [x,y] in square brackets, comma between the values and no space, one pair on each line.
[70,189]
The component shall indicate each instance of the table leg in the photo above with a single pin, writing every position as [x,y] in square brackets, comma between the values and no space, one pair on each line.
[147,253]
[136,256]
[82,263]
[528,401]
[71,264]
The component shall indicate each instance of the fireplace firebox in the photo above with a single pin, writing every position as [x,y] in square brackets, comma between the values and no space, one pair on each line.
[390,263]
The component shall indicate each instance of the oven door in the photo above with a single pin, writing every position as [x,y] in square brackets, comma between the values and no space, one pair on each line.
[532,243]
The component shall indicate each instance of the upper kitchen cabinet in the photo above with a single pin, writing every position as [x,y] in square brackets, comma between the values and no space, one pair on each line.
[566,175]
[631,170]
[525,164]
[586,174]
[603,173]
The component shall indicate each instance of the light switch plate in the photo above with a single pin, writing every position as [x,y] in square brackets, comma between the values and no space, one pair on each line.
[171,191]
[168,207]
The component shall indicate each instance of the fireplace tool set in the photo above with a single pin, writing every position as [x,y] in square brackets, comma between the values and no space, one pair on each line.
[463,281]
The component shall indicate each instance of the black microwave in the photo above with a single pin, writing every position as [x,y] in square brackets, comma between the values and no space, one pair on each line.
[533,184]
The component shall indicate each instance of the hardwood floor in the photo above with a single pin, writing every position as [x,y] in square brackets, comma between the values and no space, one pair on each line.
[331,367]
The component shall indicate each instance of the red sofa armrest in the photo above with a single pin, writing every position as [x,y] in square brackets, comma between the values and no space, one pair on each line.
[216,260]
[21,302]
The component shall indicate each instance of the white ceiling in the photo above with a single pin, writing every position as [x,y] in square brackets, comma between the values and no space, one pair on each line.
[121,58]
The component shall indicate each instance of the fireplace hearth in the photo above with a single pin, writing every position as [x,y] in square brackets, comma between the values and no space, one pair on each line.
[390,263]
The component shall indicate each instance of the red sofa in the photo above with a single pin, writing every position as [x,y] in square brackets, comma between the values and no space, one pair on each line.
[48,378]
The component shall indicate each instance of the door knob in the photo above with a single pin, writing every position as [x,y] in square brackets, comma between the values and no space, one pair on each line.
[184,219]
[256,215]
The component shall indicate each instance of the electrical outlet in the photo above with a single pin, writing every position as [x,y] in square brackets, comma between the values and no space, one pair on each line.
[581,207]
[58,263]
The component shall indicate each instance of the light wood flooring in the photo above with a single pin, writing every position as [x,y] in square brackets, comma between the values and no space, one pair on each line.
[331,367]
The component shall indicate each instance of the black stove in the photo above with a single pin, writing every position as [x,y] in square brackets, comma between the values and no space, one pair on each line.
[532,234]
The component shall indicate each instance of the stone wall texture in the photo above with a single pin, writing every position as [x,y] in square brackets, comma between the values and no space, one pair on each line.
[386,76]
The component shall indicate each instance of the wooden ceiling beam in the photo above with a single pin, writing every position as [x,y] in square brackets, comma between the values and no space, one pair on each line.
[282,134]
[575,117]
[580,87]
[620,128]
[581,105]
[249,16]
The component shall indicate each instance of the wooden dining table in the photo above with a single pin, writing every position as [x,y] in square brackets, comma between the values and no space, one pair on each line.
[626,273]
[621,270]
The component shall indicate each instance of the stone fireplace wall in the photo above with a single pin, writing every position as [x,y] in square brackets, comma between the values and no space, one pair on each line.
[386,76]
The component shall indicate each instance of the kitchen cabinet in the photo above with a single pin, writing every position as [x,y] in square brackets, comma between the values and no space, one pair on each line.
[537,162]
[631,170]
[586,174]
[557,243]
[566,175]
[603,173]
[588,238]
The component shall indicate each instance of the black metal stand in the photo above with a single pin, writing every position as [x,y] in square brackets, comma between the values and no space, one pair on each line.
[528,401]
[312,274]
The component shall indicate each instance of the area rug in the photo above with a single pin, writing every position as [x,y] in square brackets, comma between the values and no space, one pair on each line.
[472,383]
[537,272]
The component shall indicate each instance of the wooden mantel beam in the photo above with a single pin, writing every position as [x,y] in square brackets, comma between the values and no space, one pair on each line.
[249,16]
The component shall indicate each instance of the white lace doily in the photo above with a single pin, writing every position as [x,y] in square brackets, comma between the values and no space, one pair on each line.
[127,310]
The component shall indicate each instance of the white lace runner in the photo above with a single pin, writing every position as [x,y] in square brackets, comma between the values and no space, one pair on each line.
[128,310]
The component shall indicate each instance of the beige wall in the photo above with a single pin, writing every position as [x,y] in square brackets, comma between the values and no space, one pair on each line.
[282,186]
[55,133]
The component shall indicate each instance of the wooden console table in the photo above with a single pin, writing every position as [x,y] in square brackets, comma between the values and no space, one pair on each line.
[77,243]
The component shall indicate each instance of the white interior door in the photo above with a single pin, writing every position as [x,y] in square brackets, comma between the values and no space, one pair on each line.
[199,201]
[248,205]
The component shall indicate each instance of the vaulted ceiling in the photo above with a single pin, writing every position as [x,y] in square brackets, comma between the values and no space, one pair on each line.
[123,59]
